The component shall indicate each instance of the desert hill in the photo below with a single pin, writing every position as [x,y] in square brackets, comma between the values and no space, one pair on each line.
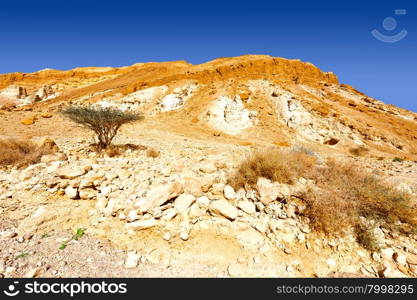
[250,97]
[168,200]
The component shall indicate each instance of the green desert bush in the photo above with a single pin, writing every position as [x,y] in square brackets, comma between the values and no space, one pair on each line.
[105,122]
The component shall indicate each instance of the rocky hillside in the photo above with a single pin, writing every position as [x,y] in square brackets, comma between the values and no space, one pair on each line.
[164,205]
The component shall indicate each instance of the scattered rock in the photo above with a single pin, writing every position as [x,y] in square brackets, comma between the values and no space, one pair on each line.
[387,253]
[224,208]
[183,202]
[70,173]
[28,121]
[142,224]
[87,194]
[208,168]
[46,115]
[166,236]
[159,195]
[132,260]
[229,192]
[32,273]
[247,206]
[267,190]
[184,236]
[71,192]
[237,270]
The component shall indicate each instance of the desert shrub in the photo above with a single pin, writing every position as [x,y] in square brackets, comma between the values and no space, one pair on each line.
[359,151]
[274,164]
[152,153]
[21,153]
[115,150]
[345,192]
[105,122]
[341,195]
[366,238]
[397,159]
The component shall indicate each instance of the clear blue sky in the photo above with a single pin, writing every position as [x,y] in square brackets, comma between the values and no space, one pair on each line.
[333,36]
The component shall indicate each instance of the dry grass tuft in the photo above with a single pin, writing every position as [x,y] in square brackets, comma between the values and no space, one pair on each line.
[152,153]
[359,151]
[366,238]
[345,192]
[21,153]
[115,150]
[342,194]
[274,164]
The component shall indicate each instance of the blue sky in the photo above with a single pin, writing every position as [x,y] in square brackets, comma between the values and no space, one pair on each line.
[333,36]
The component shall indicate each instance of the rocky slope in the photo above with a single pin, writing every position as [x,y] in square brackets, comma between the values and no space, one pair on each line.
[175,214]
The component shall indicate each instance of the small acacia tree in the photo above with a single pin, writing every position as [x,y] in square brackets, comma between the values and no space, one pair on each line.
[105,122]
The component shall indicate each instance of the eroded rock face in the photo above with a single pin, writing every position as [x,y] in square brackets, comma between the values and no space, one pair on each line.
[19,96]
[178,98]
[14,92]
[230,115]
[44,93]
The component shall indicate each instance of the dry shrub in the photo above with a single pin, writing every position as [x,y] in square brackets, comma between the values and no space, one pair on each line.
[345,192]
[21,153]
[274,164]
[152,153]
[366,238]
[359,151]
[115,150]
[112,151]
[342,194]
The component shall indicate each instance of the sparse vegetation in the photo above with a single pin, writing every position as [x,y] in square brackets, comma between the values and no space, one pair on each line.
[79,233]
[20,152]
[397,159]
[22,255]
[366,238]
[152,152]
[359,151]
[342,193]
[274,164]
[116,150]
[105,122]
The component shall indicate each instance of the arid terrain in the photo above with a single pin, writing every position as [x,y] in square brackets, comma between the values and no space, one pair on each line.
[170,203]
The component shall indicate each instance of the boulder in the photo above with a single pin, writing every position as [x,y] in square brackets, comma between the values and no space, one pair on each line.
[87,193]
[203,202]
[192,186]
[247,206]
[28,121]
[208,168]
[142,224]
[159,195]
[229,192]
[223,208]
[46,115]
[183,202]
[132,260]
[71,192]
[267,190]
[70,172]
